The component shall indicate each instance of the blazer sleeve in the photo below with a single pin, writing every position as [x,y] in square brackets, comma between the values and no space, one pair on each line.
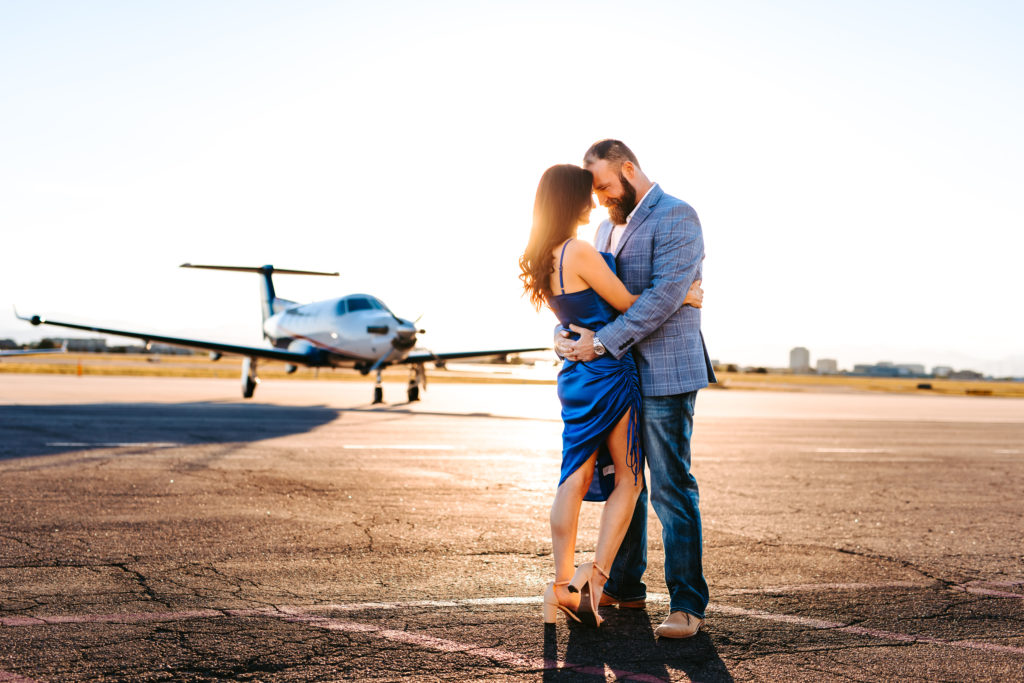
[678,247]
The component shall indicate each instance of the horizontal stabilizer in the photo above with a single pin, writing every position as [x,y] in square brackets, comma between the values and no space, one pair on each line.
[263,270]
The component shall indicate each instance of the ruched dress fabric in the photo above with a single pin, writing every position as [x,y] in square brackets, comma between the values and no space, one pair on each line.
[595,395]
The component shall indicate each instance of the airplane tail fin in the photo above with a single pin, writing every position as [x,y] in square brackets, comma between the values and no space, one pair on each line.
[270,303]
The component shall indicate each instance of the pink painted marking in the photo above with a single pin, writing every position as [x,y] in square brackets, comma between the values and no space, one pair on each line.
[860,630]
[1004,584]
[8,677]
[21,621]
[990,592]
[129,618]
[136,618]
[361,606]
[443,645]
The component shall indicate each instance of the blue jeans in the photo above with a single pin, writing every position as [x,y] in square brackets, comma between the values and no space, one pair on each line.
[666,427]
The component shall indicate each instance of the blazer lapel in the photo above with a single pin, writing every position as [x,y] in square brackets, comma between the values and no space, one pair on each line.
[603,236]
[642,212]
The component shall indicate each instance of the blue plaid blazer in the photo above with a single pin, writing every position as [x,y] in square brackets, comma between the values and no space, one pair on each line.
[658,257]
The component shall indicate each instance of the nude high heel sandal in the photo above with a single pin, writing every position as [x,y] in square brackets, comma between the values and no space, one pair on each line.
[551,605]
[587,610]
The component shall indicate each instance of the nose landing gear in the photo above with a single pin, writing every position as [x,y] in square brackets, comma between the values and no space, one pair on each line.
[378,390]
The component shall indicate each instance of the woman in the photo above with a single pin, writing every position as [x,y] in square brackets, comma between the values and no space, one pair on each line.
[600,399]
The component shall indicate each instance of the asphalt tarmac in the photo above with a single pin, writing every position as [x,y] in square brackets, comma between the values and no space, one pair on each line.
[164,529]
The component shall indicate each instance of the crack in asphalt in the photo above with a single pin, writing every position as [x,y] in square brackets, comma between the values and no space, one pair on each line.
[368,530]
[142,581]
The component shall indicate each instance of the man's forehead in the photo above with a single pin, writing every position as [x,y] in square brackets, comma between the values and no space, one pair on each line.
[601,167]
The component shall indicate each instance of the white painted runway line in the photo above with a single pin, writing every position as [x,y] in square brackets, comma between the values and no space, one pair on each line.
[495,654]
[850,450]
[314,615]
[402,447]
[874,460]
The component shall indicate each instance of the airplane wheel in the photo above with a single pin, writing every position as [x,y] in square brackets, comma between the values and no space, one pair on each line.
[249,388]
[414,394]
[378,395]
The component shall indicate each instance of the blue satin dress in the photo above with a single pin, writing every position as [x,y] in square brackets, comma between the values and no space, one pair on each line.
[595,395]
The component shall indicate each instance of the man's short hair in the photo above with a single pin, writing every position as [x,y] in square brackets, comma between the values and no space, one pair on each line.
[613,151]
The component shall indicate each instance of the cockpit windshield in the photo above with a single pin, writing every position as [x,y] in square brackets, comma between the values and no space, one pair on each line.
[352,304]
[358,303]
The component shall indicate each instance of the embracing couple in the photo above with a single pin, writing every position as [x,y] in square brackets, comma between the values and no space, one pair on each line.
[633,361]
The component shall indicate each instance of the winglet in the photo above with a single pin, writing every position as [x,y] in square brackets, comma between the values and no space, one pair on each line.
[35,320]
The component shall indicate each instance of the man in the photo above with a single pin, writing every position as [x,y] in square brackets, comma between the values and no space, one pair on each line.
[658,249]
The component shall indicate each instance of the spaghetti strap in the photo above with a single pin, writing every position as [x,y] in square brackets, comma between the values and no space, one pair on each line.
[561,258]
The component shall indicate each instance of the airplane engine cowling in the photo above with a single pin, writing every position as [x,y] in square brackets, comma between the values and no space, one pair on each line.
[302,346]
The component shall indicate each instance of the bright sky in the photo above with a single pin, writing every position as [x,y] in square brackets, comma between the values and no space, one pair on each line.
[856,166]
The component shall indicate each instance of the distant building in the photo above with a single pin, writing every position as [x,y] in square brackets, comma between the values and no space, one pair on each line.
[97,344]
[966,374]
[826,366]
[912,369]
[800,360]
[889,369]
[942,371]
[170,350]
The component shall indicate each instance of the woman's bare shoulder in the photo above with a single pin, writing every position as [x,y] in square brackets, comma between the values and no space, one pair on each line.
[578,248]
[574,249]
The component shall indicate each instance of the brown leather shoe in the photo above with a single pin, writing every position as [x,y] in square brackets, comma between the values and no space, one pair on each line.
[679,625]
[607,600]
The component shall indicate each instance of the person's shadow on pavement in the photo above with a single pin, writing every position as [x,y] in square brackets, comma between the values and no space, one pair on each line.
[626,645]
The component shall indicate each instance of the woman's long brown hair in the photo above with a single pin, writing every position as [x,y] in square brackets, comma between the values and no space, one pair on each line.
[562,195]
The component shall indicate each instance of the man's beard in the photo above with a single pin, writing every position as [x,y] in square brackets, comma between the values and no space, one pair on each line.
[619,209]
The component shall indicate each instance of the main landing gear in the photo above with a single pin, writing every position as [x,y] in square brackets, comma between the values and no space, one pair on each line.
[249,378]
[417,379]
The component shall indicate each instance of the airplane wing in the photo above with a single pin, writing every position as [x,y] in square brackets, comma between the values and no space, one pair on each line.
[315,358]
[428,357]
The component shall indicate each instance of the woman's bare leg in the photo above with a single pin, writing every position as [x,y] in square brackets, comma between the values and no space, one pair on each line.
[618,510]
[565,517]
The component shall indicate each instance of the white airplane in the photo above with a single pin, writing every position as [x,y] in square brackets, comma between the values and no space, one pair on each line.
[33,352]
[352,331]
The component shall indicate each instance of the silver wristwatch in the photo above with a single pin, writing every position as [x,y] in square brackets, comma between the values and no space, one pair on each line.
[598,346]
